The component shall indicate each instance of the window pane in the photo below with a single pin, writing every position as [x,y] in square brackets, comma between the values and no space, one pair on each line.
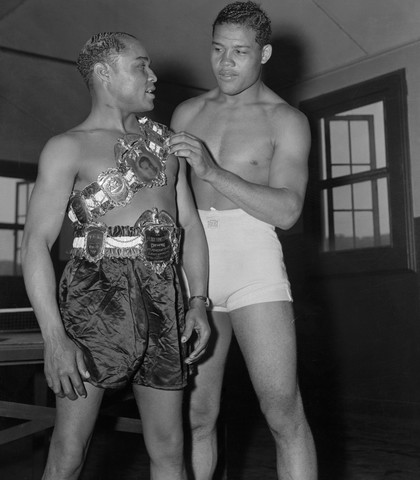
[384,223]
[326,228]
[7,245]
[359,134]
[323,157]
[359,168]
[340,171]
[362,195]
[343,227]
[339,142]
[342,198]
[363,224]
[8,199]
[377,111]
[23,193]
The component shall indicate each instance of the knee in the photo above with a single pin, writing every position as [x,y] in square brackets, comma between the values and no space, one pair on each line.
[284,413]
[65,459]
[165,446]
[204,414]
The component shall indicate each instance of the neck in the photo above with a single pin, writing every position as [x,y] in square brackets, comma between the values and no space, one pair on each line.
[249,95]
[105,115]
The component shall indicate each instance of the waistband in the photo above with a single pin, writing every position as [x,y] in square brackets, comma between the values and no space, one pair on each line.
[154,240]
[233,216]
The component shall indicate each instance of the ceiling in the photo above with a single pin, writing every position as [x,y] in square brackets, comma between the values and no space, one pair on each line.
[40,39]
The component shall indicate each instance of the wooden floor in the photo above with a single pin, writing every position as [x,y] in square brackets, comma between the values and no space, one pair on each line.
[364,448]
[350,446]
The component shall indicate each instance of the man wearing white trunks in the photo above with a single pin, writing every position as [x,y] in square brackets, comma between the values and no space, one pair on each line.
[247,149]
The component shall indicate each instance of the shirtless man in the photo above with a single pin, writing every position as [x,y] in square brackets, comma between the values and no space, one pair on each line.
[120,317]
[248,151]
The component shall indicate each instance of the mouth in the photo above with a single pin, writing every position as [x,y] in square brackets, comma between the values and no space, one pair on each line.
[150,91]
[226,75]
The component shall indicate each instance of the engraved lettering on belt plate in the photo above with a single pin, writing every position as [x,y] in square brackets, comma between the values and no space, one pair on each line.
[158,245]
[161,244]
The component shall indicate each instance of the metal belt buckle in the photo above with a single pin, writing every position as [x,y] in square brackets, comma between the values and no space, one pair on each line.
[115,187]
[161,243]
[95,241]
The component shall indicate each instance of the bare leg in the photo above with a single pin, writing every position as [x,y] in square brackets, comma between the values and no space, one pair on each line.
[161,414]
[72,433]
[205,398]
[266,336]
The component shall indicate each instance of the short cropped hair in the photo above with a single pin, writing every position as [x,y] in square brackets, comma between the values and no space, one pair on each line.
[102,47]
[248,14]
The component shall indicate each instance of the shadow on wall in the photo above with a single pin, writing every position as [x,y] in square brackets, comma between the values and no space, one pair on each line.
[286,65]
[174,85]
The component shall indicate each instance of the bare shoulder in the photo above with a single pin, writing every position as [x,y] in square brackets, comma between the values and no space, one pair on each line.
[62,152]
[288,124]
[284,114]
[187,110]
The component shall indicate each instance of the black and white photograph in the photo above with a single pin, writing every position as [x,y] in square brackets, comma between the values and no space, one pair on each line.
[209,240]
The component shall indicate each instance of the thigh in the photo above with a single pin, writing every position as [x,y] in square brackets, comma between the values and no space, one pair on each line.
[160,411]
[75,419]
[205,388]
[266,335]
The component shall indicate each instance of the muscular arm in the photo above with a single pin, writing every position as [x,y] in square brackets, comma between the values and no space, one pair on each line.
[280,201]
[45,216]
[194,258]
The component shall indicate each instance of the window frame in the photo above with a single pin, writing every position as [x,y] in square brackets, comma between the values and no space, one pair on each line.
[391,89]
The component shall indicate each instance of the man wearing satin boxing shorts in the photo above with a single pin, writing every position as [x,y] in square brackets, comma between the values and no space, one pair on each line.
[248,151]
[120,318]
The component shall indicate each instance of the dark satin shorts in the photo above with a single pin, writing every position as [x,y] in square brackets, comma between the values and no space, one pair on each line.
[127,320]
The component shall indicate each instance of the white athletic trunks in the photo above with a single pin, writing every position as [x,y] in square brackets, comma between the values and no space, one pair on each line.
[246,261]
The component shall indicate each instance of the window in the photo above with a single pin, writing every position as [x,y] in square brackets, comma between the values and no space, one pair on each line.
[354,180]
[16,184]
[15,193]
[359,191]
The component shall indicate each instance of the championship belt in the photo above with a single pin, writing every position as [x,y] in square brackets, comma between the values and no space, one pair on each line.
[141,162]
[161,239]
[154,239]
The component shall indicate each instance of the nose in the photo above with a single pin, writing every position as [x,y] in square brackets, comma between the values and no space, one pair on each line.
[227,58]
[152,76]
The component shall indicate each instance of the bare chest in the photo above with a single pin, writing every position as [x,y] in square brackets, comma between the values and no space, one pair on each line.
[239,142]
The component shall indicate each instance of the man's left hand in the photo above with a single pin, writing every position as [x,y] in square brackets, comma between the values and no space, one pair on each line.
[196,320]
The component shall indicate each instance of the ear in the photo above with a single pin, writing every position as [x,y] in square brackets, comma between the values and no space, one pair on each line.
[266,53]
[101,71]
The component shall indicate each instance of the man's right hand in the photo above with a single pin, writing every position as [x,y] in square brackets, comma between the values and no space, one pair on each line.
[64,368]
[185,145]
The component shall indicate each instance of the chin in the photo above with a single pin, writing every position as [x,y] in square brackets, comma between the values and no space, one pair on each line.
[148,107]
[229,91]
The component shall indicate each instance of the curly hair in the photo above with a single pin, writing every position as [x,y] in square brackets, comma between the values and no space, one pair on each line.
[248,14]
[102,47]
